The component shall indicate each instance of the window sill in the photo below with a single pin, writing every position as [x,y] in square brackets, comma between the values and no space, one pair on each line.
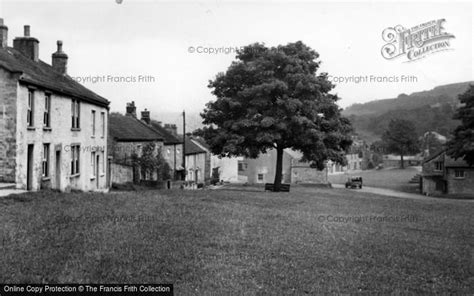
[75,129]
[47,128]
[92,178]
[31,128]
[74,176]
[459,178]
[45,178]
[103,174]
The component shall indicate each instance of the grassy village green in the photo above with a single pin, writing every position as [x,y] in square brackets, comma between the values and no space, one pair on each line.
[308,241]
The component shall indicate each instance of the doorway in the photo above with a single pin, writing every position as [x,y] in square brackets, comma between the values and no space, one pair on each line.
[29,168]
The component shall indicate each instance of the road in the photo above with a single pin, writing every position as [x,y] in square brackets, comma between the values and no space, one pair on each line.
[390,192]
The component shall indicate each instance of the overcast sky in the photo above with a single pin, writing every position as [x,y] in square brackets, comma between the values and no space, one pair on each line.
[152,38]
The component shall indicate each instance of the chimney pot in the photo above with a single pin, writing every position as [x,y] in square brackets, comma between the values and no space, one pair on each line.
[131,109]
[27,30]
[3,34]
[146,116]
[59,60]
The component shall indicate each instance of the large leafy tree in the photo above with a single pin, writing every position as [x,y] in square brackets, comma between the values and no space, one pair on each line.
[271,98]
[401,138]
[462,145]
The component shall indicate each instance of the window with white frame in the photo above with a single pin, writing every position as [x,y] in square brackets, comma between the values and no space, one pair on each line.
[103,162]
[75,150]
[93,164]
[30,110]
[439,166]
[93,123]
[459,174]
[47,111]
[75,114]
[45,167]
[102,123]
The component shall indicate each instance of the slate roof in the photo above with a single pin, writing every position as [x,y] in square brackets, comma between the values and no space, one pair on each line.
[449,162]
[168,137]
[192,148]
[127,128]
[41,74]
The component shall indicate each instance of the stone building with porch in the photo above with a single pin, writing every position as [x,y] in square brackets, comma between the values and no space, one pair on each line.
[53,130]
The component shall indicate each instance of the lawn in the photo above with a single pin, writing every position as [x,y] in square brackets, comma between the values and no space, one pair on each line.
[391,178]
[220,242]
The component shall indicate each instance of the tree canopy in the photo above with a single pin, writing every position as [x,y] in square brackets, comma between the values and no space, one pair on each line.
[462,144]
[271,98]
[400,138]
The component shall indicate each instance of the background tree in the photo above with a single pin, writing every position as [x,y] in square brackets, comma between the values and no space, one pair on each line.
[401,138]
[462,145]
[150,161]
[271,98]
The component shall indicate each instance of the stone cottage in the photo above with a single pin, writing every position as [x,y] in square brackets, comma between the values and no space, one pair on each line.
[128,136]
[443,175]
[53,130]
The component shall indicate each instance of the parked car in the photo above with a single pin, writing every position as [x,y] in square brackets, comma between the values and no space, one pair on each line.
[354,182]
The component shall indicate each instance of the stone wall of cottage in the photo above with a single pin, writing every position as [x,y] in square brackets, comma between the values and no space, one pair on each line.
[460,186]
[60,137]
[121,173]
[122,151]
[8,110]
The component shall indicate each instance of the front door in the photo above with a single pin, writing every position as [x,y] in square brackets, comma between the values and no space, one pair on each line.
[29,168]
[58,169]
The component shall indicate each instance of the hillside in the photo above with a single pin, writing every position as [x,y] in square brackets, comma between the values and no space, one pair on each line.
[430,110]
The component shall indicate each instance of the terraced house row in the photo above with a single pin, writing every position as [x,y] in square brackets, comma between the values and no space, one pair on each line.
[53,130]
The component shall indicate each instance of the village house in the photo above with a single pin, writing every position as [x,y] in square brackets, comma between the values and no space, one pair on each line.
[262,169]
[173,144]
[198,161]
[227,168]
[356,158]
[53,131]
[443,175]
[128,136]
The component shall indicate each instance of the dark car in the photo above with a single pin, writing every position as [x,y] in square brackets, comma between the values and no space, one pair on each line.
[354,182]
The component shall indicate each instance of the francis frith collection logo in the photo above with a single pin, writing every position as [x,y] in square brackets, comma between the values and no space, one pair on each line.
[416,42]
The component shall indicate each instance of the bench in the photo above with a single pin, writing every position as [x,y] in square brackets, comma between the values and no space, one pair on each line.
[283,187]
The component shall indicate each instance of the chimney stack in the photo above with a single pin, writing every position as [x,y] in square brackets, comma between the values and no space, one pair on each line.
[59,59]
[3,35]
[171,128]
[146,116]
[28,46]
[131,109]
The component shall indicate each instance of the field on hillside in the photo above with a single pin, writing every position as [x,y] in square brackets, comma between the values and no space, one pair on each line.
[391,178]
[308,241]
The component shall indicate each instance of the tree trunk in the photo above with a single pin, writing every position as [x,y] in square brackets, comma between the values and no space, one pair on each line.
[402,165]
[278,171]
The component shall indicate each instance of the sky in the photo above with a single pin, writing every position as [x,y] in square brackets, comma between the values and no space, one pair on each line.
[157,53]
